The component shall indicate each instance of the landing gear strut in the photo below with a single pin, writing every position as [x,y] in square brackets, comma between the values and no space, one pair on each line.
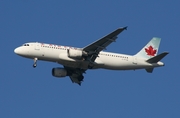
[35,62]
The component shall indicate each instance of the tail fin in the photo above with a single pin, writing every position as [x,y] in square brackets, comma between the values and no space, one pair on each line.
[151,49]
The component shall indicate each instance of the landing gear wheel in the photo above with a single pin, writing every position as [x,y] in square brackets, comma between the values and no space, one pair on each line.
[34,65]
[35,62]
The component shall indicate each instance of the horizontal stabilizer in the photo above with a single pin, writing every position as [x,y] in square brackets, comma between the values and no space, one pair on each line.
[157,58]
[150,70]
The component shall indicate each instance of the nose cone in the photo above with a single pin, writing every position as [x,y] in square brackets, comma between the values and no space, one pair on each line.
[21,51]
[17,50]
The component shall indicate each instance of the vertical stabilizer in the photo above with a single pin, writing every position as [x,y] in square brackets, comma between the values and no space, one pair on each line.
[151,49]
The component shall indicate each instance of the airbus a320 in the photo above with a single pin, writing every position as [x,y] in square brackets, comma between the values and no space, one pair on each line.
[76,61]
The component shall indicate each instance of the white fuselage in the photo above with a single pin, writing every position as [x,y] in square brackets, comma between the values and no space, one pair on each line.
[106,60]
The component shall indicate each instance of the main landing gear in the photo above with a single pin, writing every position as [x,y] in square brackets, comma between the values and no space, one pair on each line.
[35,62]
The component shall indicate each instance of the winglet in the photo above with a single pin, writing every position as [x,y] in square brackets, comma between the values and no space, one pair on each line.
[125,27]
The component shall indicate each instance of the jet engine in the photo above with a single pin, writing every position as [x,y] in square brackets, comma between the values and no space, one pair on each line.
[77,54]
[59,72]
[74,53]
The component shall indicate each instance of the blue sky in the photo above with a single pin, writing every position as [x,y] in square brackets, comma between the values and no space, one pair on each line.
[28,92]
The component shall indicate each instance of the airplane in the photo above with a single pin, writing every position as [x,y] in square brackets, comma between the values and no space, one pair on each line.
[77,61]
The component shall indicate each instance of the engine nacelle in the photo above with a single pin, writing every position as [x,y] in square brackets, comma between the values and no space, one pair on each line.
[75,53]
[59,72]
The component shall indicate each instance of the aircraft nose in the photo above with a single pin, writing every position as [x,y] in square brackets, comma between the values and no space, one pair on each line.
[17,51]
[21,51]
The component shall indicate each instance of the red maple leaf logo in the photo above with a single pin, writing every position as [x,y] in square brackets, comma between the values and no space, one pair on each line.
[150,51]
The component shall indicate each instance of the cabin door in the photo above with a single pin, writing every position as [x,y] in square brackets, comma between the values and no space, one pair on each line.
[135,60]
[37,46]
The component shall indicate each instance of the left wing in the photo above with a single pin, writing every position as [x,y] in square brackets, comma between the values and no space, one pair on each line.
[75,74]
[101,44]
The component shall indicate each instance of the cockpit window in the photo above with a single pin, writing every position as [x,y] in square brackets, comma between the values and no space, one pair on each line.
[25,44]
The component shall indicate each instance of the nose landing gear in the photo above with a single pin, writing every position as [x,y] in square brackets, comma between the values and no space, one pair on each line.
[35,62]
